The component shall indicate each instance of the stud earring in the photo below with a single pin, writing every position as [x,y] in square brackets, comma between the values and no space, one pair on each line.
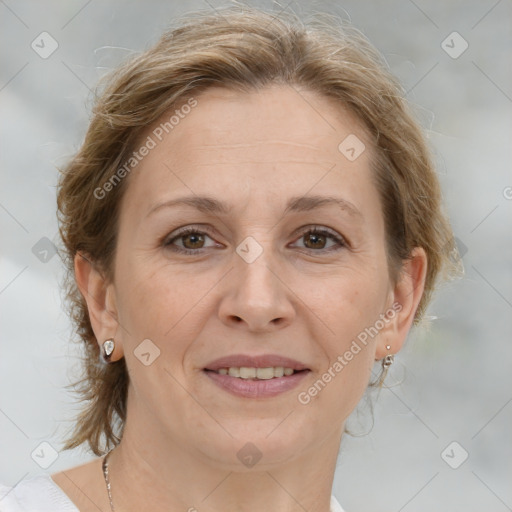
[108,349]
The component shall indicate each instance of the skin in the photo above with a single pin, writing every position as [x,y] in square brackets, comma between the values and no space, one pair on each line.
[304,298]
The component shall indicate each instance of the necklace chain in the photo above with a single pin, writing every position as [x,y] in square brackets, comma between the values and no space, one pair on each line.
[107,480]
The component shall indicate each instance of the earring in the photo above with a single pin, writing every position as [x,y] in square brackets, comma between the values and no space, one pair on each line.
[108,349]
[388,360]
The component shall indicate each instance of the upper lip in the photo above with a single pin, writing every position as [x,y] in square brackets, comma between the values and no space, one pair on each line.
[257,361]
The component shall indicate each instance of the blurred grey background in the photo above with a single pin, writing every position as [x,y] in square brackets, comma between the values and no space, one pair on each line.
[451,388]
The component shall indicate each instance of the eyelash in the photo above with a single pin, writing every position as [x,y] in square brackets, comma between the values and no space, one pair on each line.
[186,231]
[339,240]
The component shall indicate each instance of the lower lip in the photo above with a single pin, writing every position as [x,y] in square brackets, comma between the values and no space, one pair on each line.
[248,388]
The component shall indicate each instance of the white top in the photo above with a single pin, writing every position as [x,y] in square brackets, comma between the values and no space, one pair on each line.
[37,494]
[42,494]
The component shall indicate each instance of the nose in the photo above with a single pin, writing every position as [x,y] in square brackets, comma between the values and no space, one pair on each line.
[256,297]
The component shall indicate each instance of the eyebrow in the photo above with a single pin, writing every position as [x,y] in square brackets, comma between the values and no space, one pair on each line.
[308,203]
[202,203]
[295,204]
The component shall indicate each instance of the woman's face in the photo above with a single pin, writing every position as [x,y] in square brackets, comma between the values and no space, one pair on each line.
[247,235]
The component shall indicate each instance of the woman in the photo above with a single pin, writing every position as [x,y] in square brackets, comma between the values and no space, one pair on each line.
[252,221]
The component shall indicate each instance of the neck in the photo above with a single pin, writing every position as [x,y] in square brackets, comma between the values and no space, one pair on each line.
[182,479]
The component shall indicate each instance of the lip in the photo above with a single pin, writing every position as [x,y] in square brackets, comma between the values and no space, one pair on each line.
[254,388]
[249,388]
[259,361]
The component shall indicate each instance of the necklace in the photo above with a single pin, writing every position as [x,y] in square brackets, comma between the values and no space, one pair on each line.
[107,481]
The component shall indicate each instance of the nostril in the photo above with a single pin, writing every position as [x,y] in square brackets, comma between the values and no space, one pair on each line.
[237,319]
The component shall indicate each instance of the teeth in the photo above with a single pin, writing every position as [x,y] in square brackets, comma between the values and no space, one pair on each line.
[279,371]
[265,373]
[234,372]
[245,372]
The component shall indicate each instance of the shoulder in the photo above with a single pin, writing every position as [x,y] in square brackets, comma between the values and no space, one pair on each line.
[38,493]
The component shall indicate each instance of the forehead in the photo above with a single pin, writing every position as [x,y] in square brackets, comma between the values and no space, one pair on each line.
[276,118]
[276,141]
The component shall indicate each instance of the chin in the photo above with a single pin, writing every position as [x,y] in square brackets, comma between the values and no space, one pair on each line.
[261,445]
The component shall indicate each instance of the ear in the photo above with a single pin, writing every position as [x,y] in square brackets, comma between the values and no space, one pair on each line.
[405,298]
[101,303]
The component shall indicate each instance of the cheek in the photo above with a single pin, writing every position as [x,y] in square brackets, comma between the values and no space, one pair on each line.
[161,304]
[347,304]
[349,307]
[349,357]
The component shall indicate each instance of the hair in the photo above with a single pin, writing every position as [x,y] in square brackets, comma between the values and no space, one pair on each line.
[244,49]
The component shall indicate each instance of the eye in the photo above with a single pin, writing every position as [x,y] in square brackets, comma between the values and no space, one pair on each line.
[189,241]
[318,239]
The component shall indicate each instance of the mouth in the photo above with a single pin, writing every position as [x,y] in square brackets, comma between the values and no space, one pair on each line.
[256,376]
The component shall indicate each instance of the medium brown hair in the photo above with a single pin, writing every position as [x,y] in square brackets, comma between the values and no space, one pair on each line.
[244,49]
